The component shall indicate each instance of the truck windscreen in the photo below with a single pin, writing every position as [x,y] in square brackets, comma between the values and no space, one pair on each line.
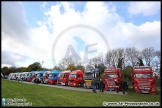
[111,76]
[61,75]
[88,75]
[39,74]
[143,75]
[72,76]
[52,75]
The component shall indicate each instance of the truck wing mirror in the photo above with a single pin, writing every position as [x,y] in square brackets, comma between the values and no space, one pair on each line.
[154,75]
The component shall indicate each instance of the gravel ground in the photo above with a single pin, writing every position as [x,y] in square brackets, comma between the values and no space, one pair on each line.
[75,88]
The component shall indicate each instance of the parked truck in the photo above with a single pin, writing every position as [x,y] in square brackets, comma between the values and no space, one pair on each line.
[19,76]
[112,74]
[52,79]
[31,76]
[89,75]
[45,77]
[25,75]
[76,78]
[143,79]
[12,76]
[63,78]
[39,76]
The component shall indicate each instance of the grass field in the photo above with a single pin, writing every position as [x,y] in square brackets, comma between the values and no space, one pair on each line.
[50,96]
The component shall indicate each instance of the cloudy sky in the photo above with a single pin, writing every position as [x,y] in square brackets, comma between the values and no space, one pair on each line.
[49,31]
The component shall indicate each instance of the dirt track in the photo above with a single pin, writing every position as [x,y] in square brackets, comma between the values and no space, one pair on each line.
[75,88]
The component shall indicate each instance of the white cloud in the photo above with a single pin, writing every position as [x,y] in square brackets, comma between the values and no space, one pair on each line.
[95,14]
[145,35]
[44,4]
[145,8]
[13,24]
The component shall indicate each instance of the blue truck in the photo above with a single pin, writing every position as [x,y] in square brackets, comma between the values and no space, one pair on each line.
[53,76]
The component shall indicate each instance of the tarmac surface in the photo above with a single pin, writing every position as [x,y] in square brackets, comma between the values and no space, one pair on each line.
[74,88]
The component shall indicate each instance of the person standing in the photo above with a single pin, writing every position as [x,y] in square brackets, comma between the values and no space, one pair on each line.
[117,86]
[94,83]
[101,83]
[123,85]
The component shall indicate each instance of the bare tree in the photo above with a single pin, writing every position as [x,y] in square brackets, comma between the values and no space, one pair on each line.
[158,55]
[89,67]
[65,62]
[148,54]
[108,57]
[126,61]
[113,57]
[155,63]
[131,54]
[97,60]
[120,57]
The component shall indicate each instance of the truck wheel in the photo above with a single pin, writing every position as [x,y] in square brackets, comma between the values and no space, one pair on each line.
[66,84]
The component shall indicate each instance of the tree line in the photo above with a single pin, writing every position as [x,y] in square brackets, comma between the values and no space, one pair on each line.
[120,57]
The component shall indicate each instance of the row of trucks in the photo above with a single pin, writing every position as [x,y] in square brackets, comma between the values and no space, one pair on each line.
[18,76]
[68,78]
[143,79]
[44,76]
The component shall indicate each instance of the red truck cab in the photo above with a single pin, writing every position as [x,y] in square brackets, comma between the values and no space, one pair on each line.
[110,75]
[76,78]
[63,78]
[143,79]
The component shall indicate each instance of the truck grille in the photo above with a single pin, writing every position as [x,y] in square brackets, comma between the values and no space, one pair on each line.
[71,81]
[111,82]
[59,80]
[143,83]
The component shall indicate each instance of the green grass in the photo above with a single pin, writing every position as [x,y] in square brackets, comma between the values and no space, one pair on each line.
[50,96]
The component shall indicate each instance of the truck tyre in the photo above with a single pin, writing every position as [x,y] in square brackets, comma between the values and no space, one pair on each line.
[66,84]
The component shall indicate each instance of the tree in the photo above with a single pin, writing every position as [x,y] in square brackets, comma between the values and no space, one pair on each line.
[148,54]
[140,63]
[126,73]
[132,55]
[5,70]
[12,69]
[71,67]
[96,60]
[80,67]
[65,62]
[89,67]
[22,69]
[101,66]
[113,57]
[120,62]
[158,55]
[34,67]
[56,68]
